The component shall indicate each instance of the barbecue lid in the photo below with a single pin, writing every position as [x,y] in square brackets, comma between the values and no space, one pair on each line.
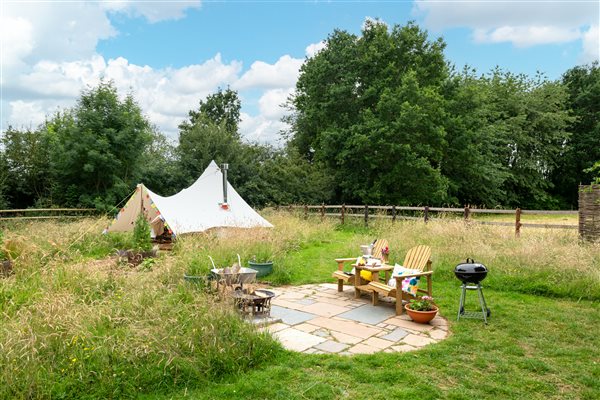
[470,266]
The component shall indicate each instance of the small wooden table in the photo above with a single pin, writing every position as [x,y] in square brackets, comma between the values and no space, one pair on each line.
[360,285]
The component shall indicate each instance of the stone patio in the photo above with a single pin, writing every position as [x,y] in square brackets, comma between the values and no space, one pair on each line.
[317,319]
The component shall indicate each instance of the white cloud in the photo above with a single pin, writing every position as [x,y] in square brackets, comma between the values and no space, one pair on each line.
[153,11]
[525,36]
[314,48]
[282,74]
[27,113]
[591,45]
[523,24]
[165,95]
[270,103]
[17,40]
[49,57]
[53,31]
[439,15]
[201,78]
[261,129]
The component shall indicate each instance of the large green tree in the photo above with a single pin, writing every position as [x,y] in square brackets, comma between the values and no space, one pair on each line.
[529,121]
[26,158]
[582,149]
[370,109]
[98,148]
[471,164]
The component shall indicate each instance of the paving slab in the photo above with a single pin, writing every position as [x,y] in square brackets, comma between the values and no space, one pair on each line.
[417,340]
[325,309]
[317,319]
[293,339]
[403,348]
[345,338]
[438,334]
[305,301]
[369,314]
[330,346]
[306,327]
[290,316]
[363,349]
[344,326]
[395,335]
[413,326]
[378,343]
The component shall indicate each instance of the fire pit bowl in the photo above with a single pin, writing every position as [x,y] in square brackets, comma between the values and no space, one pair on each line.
[255,303]
[470,271]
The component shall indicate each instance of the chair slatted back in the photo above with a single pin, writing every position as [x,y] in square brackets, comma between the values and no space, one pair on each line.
[417,257]
[380,244]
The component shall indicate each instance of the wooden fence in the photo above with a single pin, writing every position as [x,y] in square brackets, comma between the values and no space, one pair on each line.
[46,213]
[392,212]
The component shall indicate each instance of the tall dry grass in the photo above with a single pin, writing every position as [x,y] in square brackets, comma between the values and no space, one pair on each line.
[541,261]
[76,324]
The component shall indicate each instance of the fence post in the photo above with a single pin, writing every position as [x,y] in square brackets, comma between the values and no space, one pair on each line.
[322,211]
[305,211]
[467,213]
[343,214]
[366,215]
[518,222]
[393,214]
[426,214]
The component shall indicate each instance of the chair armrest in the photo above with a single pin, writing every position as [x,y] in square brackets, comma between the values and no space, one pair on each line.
[343,260]
[414,275]
[340,262]
[382,268]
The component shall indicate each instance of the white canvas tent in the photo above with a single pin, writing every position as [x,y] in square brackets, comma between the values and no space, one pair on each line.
[195,209]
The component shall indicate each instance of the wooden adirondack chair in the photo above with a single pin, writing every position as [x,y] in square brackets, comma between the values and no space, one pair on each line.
[348,277]
[417,258]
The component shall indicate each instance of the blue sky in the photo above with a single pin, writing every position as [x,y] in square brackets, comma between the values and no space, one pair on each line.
[172,54]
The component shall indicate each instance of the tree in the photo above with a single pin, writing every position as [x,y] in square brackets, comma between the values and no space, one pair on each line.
[161,171]
[99,144]
[27,158]
[529,120]
[475,173]
[582,149]
[370,109]
[220,107]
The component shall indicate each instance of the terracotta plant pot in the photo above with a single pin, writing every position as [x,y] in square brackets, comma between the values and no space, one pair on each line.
[421,317]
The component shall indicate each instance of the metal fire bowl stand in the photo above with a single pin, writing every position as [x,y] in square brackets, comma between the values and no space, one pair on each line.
[485,311]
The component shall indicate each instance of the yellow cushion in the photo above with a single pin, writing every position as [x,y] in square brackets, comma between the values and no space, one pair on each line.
[367,275]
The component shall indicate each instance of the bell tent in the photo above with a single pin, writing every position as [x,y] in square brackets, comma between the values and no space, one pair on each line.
[211,202]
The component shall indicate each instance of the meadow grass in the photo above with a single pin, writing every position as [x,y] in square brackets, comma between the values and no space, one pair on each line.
[77,325]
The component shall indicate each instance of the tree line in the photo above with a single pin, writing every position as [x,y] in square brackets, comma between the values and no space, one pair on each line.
[378,118]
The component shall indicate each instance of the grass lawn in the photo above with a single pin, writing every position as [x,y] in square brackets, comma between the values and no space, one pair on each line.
[144,333]
[534,347]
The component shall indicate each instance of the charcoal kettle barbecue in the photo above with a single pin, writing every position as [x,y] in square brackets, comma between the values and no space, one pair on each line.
[472,272]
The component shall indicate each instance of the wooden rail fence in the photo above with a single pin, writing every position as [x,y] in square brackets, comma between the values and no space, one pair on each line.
[392,212]
[45,213]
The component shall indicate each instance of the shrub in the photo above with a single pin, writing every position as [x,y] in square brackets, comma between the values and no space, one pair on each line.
[141,234]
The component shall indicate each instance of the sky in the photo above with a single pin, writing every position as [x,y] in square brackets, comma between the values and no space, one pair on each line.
[172,54]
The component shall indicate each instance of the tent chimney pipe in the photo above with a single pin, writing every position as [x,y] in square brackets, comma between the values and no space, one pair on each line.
[224,168]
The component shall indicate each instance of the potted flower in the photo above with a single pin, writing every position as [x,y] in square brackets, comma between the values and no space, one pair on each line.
[421,310]
[385,253]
